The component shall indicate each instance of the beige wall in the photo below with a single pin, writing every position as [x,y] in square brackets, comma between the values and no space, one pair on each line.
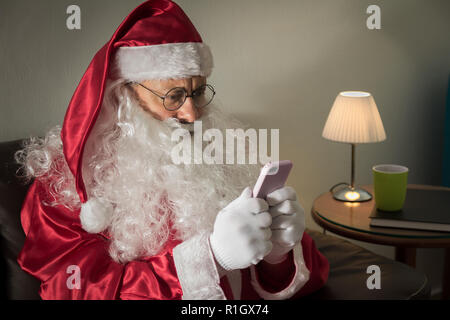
[279,64]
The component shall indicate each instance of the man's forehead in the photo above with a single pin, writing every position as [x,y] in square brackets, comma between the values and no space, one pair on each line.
[183,82]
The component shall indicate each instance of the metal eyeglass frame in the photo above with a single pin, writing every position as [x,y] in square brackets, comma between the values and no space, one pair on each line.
[163,98]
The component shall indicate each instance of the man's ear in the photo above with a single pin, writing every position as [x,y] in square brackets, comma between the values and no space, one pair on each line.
[133,91]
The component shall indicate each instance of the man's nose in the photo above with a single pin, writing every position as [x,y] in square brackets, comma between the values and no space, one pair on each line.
[188,112]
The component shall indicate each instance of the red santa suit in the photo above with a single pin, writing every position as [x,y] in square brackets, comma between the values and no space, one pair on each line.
[58,248]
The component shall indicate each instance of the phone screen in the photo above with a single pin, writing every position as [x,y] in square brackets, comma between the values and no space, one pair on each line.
[273,176]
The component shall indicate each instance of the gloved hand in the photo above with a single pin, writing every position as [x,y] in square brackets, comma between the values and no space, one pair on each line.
[241,235]
[288,223]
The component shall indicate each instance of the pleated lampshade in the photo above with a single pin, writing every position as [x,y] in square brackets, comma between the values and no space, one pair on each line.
[354,118]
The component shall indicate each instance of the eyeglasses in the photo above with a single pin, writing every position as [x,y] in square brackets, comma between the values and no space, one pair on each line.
[175,97]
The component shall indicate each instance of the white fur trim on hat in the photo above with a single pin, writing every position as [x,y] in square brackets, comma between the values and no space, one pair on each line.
[95,216]
[164,61]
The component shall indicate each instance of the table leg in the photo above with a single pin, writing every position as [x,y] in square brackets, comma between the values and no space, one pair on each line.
[446,280]
[406,255]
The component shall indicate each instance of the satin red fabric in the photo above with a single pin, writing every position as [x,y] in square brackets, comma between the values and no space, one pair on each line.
[55,241]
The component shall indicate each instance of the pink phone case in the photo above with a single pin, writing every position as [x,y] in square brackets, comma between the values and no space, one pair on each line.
[273,176]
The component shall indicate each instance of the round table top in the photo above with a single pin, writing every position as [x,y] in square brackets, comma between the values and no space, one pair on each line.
[352,220]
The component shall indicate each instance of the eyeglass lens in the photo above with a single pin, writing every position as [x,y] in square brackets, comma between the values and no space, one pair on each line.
[176,97]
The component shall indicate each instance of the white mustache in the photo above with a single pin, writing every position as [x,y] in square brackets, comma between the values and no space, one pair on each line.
[174,123]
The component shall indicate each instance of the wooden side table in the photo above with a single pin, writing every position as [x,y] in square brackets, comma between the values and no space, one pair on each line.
[352,220]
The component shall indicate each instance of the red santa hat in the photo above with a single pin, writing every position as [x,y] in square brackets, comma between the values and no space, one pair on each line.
[156,41]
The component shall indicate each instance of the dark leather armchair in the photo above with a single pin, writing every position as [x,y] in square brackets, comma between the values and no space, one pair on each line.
[348,262]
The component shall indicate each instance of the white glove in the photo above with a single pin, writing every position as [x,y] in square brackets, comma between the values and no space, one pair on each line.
[241,235]
[288,223]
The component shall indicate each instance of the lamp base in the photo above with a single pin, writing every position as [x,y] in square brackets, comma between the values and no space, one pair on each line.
[349,194]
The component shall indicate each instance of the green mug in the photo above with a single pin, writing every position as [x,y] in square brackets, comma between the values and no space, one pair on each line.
[390,182]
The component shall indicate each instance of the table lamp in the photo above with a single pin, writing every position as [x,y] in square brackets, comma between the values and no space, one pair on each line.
[354,118]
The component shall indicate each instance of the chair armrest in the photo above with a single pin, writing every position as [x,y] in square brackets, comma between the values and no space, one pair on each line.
[348,273]
[14,282]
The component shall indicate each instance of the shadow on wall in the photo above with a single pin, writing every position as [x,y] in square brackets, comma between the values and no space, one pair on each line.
[446,158]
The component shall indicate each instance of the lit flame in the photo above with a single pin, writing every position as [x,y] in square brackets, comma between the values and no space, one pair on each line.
[352,195]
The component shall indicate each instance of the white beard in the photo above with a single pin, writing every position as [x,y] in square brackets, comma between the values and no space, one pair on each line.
[128,164]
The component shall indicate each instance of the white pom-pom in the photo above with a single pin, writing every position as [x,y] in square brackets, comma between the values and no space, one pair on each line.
[95,216]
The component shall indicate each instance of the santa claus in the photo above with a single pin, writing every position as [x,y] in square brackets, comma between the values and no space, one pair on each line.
[108,201]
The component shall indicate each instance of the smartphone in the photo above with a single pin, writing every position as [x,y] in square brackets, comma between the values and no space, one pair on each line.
[273,176]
